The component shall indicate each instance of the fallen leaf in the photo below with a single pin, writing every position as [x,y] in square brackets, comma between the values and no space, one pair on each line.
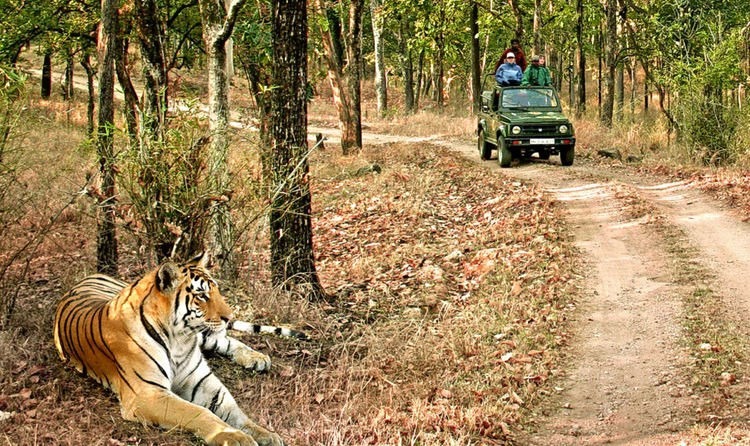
[516,289]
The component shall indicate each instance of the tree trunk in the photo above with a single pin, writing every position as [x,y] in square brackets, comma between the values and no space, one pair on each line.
[610,63]
[439,72]
[151,36]
[518,16]
[537,29]
[420,78]
[123,76]
[407,68]
[381,86]
[334,55]
[68,91]
[218,24]
[106,248]
[354,65]
[619,92]
[292,258]
[90,74]
[633,82]
[47,76]
[580,103]
[476,73]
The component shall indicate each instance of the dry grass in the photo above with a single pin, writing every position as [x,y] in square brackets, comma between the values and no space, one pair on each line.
[645,139]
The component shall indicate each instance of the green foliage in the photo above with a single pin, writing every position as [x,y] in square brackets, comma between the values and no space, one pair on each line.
[56,24]
[694,51]
[708,126]
[708,120]
[184,40]
[171,198]
[252,36]
[12,90]
[12,191]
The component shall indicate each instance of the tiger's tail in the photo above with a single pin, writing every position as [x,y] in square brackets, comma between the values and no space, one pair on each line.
[247,327]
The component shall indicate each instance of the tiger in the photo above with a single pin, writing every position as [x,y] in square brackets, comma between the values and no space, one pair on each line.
[145,342]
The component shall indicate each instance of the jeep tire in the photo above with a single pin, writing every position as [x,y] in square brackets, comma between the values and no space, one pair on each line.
[485,148]
[504,155]
[567,155]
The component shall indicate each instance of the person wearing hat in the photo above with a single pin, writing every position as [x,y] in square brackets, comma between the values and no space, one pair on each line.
[509,73]
[536,75]
[515,48]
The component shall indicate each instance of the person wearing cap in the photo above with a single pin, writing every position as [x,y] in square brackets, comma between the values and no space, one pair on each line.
[536,75]
[515,48]
[509,73]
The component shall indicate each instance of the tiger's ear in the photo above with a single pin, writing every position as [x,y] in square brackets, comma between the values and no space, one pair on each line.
[167,277]
[202,260]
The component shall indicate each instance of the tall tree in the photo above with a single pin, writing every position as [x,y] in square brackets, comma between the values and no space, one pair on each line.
[152,37]
[122,68]
[354,67]
[610,62]
[407,65]
[518,17]
[292,258]
[580,103]
[342,68]
[476,73]
[253,39]
[91,96]
[536,25]
[47,75]
[218,21]
[381,87]
[107,257]
[439,67]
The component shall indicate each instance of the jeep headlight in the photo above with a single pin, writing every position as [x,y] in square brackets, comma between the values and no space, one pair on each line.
[516,130]
[563,128]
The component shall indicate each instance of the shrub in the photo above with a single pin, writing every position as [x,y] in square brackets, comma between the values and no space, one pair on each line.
[12,108]
[170,197]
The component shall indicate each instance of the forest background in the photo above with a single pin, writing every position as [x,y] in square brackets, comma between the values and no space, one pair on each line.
[664,78]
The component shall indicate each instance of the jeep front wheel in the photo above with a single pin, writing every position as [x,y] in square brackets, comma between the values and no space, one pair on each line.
[567,155]
[485,148]
[504,155]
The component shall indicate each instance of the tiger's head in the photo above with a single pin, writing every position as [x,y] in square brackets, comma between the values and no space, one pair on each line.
[196,302]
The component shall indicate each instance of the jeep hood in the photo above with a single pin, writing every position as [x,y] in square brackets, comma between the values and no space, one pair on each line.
[535,116]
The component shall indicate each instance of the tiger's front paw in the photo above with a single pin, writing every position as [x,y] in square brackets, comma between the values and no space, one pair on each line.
[270,439]
[262,436]
[231,438]
[251,359]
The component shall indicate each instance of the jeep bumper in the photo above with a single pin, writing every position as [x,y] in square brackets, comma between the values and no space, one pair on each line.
[538,143]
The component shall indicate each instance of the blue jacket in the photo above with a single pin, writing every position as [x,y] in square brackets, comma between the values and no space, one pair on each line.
[509,74]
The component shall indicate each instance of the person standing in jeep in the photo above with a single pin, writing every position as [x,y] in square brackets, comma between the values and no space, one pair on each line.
[515,48]
[509,73]
[536,75]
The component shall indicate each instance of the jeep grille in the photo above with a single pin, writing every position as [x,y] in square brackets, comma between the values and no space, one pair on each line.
[533,130]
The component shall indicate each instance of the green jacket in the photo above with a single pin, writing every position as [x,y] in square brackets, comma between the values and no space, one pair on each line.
[536,75]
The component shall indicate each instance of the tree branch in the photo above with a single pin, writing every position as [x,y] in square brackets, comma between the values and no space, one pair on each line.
[226,31]
[179,10]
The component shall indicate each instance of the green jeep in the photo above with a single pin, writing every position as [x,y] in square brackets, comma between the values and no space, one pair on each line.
[520,121]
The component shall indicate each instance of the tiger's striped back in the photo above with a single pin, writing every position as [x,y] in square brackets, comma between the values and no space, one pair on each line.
[78,326]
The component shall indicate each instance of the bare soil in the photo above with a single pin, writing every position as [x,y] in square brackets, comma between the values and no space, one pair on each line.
[630,376]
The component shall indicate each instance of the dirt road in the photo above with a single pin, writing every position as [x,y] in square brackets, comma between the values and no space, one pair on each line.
[629,378]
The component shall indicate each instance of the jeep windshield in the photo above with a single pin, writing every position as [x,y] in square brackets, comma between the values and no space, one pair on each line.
[529,98]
